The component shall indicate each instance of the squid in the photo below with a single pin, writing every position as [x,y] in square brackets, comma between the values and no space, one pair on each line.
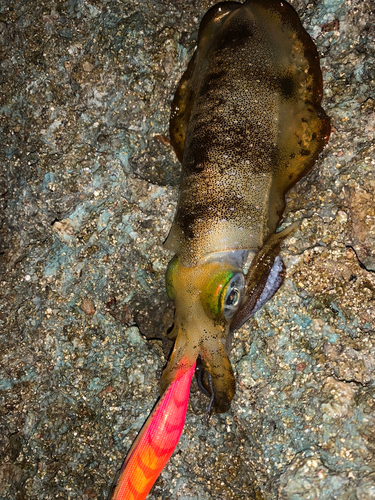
[246,124]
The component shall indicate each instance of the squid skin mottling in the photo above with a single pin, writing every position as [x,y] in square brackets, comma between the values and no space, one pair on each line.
[247,125]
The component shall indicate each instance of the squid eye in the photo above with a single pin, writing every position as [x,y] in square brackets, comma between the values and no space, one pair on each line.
[233,297]
[233,293]
[222,295]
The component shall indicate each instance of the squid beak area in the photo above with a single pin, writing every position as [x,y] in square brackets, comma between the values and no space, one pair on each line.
[196,336]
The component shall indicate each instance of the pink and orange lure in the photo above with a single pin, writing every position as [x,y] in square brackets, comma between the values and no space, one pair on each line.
[156,442]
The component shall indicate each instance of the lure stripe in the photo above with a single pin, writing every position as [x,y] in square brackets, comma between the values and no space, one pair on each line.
[155,443]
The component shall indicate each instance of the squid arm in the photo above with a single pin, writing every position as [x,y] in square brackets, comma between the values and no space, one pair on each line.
[155,443]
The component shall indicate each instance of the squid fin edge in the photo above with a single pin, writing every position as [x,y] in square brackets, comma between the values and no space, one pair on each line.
[258,275]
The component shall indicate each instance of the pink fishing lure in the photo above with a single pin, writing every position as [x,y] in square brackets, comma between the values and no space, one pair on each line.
[155,443]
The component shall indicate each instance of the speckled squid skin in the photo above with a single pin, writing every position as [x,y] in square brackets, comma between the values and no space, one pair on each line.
[247,125]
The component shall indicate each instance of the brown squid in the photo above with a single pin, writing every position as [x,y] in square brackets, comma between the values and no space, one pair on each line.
[247,125]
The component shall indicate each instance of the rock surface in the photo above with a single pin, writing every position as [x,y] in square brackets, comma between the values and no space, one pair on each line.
[88,189]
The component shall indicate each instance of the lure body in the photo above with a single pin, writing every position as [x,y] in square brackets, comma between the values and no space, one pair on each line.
[246,124]
[155,443]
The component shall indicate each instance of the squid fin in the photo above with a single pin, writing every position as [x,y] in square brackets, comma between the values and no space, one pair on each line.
[264,277]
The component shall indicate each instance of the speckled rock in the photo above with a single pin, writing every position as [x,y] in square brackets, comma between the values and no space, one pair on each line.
[88,188]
